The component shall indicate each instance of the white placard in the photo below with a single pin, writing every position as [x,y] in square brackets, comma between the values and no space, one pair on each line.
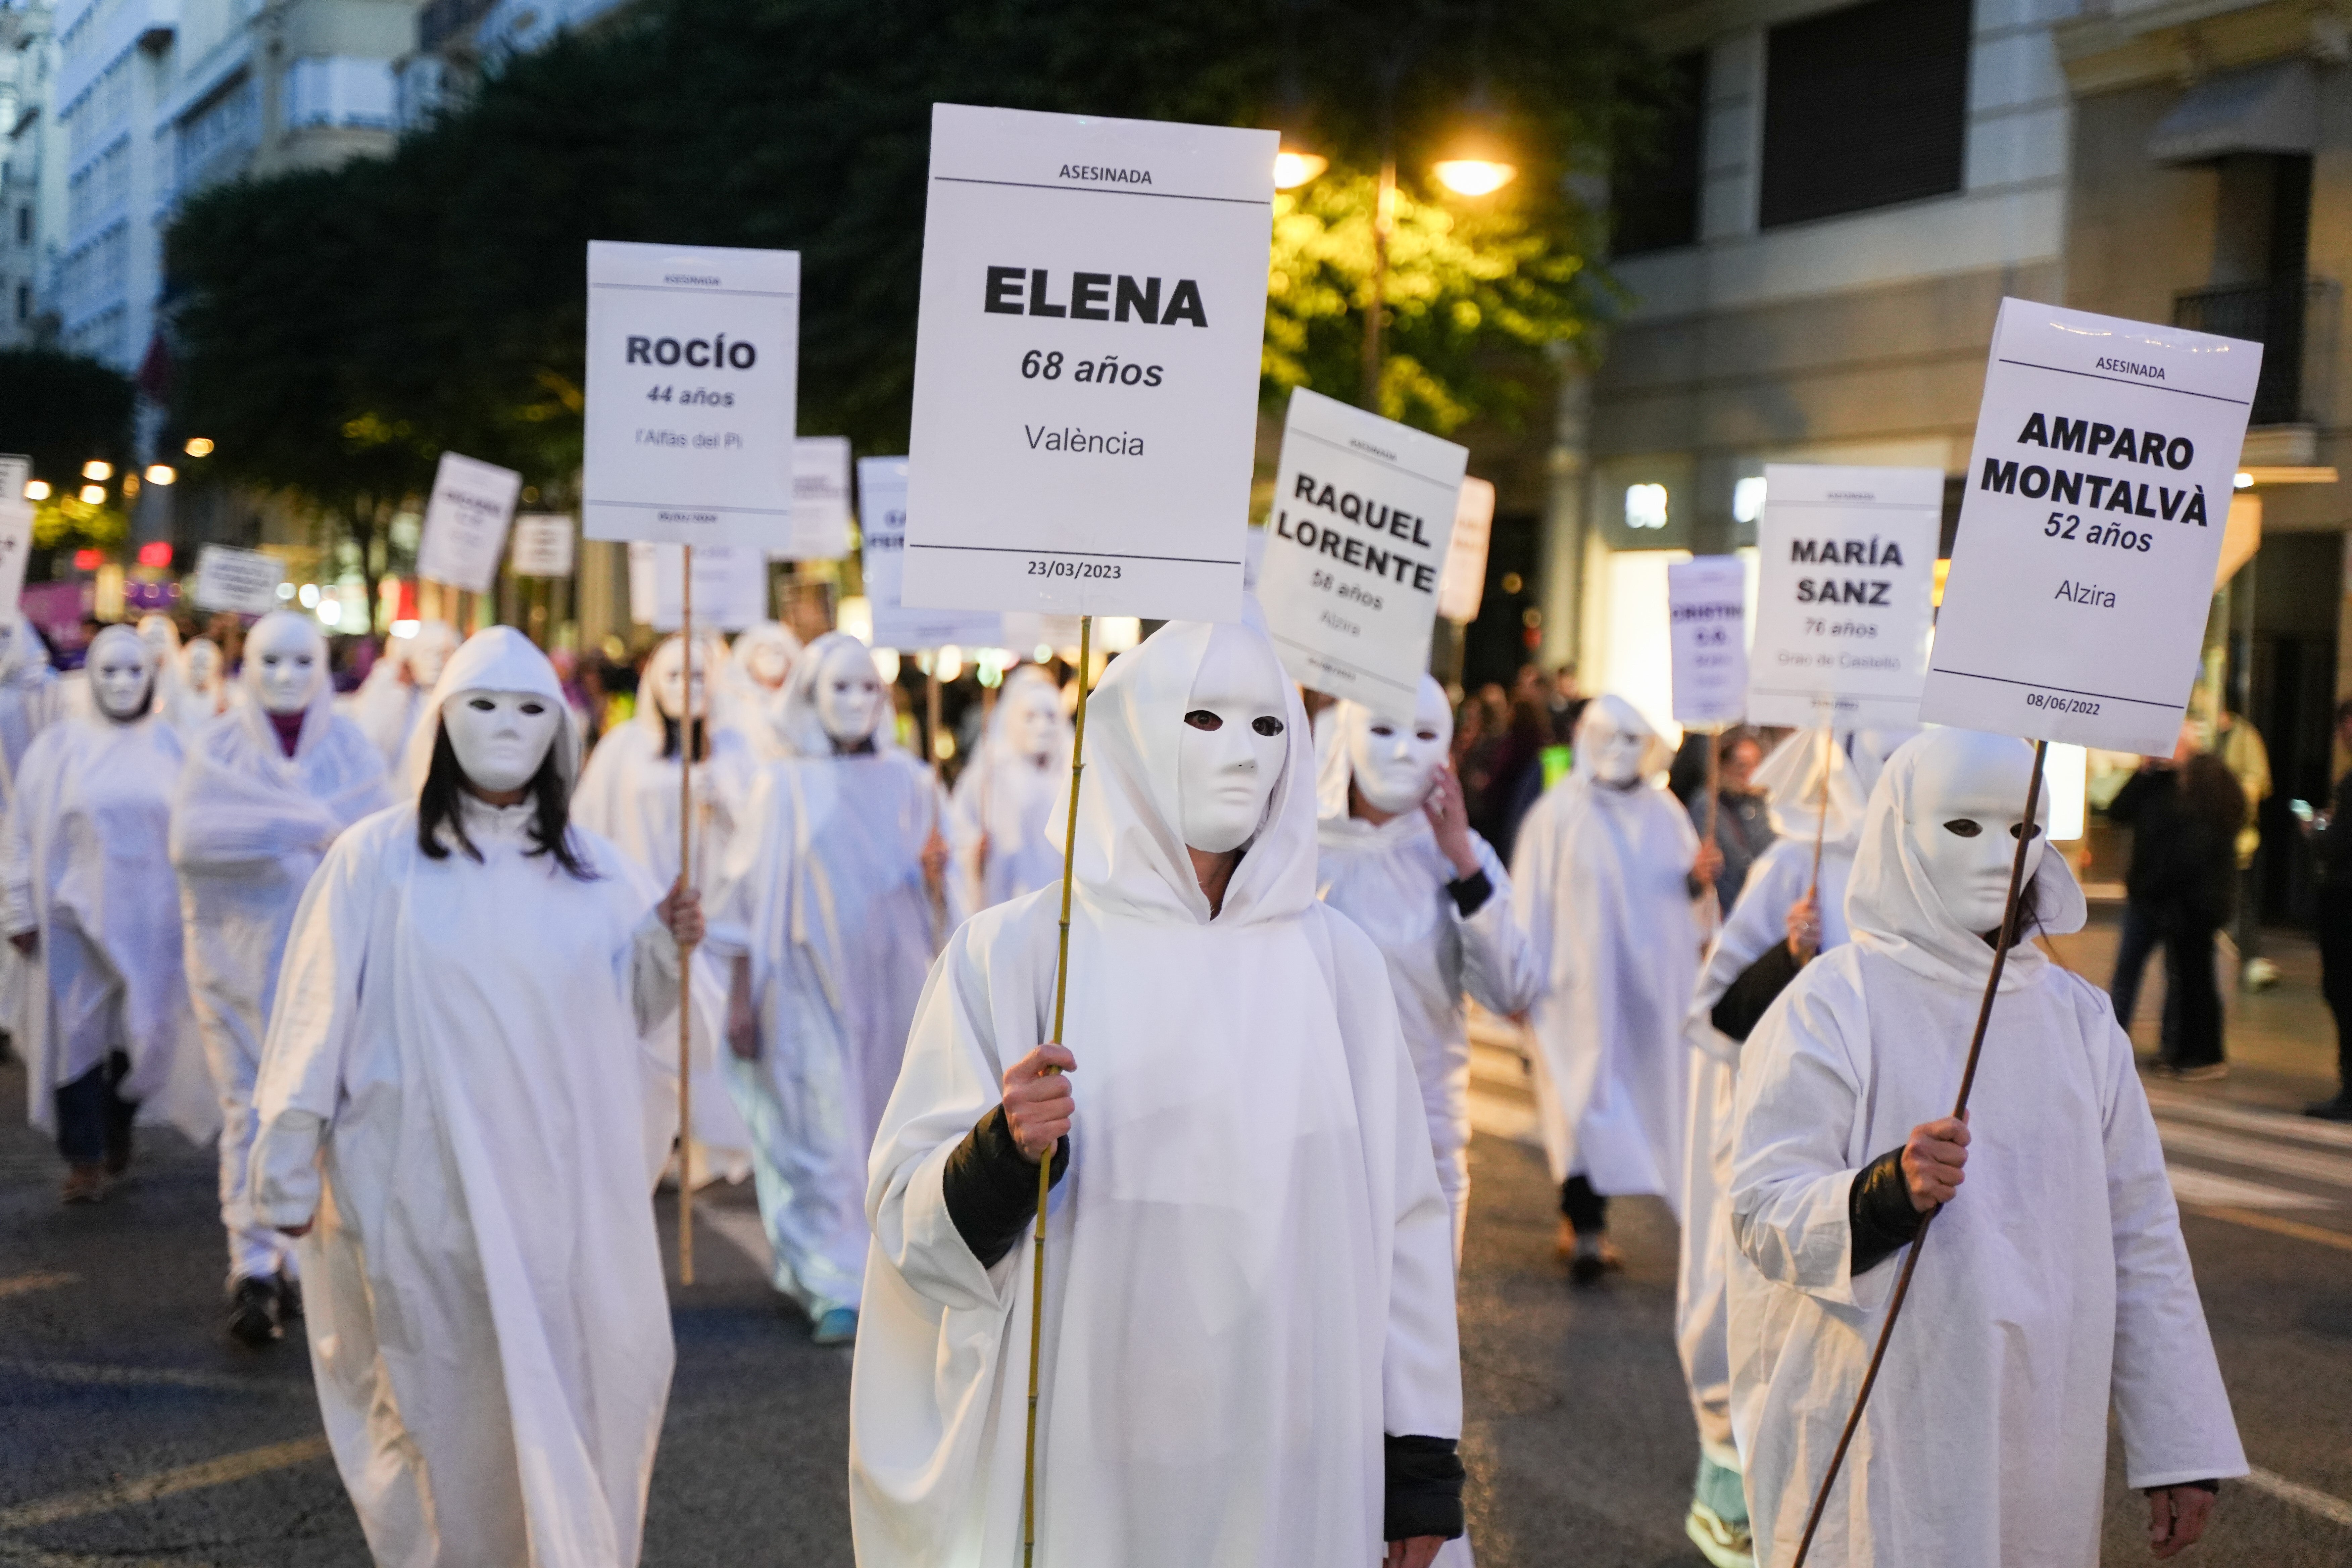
[15,544]
[542,544]
[1364,509]
[693,366]
[2081,574]
[244,582]
[466,523]
[882,514]
[1707,614]
[16,473]
[1086,363]
[820,530]
[730,586]
[1462,585]
[1845,595]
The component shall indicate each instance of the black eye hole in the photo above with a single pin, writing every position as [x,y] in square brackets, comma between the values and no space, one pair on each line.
[534,707]
[2014,827]
[482,705]
[1963,828]
[1266,724]
[1201,719]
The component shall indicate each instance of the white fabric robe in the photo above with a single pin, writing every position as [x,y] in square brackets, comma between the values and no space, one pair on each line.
[30,701]
[88,868]
[466,1044]
[2055,1285]
[1600,880]
[1243,1290]
[1002,803]
[248,826]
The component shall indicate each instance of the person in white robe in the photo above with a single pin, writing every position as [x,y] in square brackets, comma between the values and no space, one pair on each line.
[464,1107]
[266,790]
[389,704]
[1605,878]
[752,687]
[997,819]
[30,701]
[1782,918]
[1249,1355]
[2054,1286]
[107,1025]
[629,793]
[1396,855]
[199,694]
[828,908]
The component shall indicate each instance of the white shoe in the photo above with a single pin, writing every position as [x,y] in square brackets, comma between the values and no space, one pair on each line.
[1725,1545]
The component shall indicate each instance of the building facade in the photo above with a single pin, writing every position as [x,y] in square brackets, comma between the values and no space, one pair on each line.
[32,176]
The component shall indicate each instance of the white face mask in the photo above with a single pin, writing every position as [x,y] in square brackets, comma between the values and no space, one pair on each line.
[1031,725]
[118,676]
[290,663]
[669,680]
[849,695]
[769,663]
[1963,830]
[204,664]
[1617,756]
[428,654]
[501,737]
[1233,747]
[1394,765]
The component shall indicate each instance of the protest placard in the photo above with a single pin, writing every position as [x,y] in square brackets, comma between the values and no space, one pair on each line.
[466,523]
[1086,363]
[820,530]
[730,586]
[1707,614]
[1462,585]
[882,520]
[2097,497]
[244,582]
[542,544]
[16,545]
[1845,599]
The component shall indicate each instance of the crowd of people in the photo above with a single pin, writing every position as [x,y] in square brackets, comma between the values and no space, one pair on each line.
[419,965]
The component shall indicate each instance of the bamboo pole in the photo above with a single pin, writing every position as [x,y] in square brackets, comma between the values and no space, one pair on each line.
[686,734]
[1821,816]
[1046,1164]
[939,891]
[1959,1107]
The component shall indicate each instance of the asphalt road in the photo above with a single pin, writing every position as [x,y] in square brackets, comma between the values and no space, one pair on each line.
[135,1433]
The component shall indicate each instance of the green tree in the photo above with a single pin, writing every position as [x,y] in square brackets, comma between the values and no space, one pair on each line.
[62,411]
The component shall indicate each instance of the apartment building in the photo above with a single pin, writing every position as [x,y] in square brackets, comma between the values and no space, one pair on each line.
[32,179]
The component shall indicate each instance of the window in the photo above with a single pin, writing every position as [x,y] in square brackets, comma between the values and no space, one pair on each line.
[25,224]
[1656,186]
[24,302]
[1864,107]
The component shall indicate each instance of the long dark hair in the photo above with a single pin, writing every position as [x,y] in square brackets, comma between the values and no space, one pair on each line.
[445,784]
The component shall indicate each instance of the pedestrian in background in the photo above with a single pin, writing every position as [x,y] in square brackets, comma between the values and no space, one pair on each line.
[2181,887]
[2331,842]
[1740,818]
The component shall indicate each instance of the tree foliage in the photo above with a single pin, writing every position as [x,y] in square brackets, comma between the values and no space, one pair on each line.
[339,329]
[62,410]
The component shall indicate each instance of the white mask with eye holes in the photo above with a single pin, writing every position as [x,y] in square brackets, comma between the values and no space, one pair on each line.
[122,673]
[1617,755]
[1232,748]
[1962,828]
[203,659]
[289,658]
[768,663]
[1394,765]
[1031,725]
[501,737]
[849,694]
[668,671]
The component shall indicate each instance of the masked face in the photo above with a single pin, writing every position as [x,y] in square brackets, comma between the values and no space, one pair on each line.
[1963,829]
[289,662]
[669,680]
[769,663]
[1617,756]
[1232,748]
[849,694]
[1030,726]
[1394,765]
[203,661]
[501,737]
[119,671]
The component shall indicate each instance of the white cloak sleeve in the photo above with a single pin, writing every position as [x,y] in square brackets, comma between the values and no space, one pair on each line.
[1501,967]
[1799,1111]
[652,972]
[2168,1397]
[17,876]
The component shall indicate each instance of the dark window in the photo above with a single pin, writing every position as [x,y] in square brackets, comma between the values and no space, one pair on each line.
[1864,107]
[1655,187]
[25,225]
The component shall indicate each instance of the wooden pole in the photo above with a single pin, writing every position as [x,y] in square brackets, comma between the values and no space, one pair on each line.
[1820,815]
[686,733]
[1714,744]
[1959,1107]
[931,743]
[1046,1165]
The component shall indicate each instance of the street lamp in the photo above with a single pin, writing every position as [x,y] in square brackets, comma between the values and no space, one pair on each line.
[1292,169]
[161,474]
[199,447]
[1475,176]
[97,469]
[93,495]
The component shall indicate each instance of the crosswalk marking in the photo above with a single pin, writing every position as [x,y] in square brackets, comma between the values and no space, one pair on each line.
[2206,1144]
[2245,1119]
[2304,1497]
[163,1484]
[2192,1185]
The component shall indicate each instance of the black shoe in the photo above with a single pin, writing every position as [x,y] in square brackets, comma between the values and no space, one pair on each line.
[253,1312]
[289,1300]
[2336,1110]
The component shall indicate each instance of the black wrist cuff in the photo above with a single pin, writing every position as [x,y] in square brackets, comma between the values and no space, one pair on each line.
[1879,1212]
[1424,1490]
[2214,1486]
[1470,893]
[992,1191]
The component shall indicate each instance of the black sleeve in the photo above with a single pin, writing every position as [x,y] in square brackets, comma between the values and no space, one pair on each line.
[2126,805]
[1744,1002]
[1470,893]
[1424,1490]
[992,1191]
[1879,1212]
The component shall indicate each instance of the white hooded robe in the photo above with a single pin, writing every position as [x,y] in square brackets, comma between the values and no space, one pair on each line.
[2055,1285]
[997,819]
[1249,1274]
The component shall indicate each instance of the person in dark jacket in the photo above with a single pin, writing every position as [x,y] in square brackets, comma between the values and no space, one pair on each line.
[2180,888]
[2331,842]
[1740,821]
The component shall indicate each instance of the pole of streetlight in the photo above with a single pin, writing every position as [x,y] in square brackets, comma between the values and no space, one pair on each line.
[1383,225]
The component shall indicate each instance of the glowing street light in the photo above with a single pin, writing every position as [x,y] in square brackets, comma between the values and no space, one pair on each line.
[1292,169]
[37,490]
[97,469]
[93,495]
[199,447]
[1475,176]
[161,473]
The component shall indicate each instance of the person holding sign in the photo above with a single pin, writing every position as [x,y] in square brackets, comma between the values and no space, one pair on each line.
[265,793]
[463,1117]
[1397,855]
[997,821]
[107,1008]
[1249,1354]
[1792,907]
[827,903]
[2058,1284]
[1606,872]
[391,703]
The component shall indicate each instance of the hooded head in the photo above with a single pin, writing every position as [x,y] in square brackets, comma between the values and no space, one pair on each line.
[1391,763]
[1194,738]
[1869,751]
[285,663]
[837,700]
[497,721]
[1932,870]
[200,666]
[24,656]
[121,674]
[1615,746]
[1792,782]
[764,655]
[1027,726]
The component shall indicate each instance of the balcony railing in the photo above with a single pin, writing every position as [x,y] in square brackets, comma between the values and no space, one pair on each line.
[442,20]
[2288,319]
